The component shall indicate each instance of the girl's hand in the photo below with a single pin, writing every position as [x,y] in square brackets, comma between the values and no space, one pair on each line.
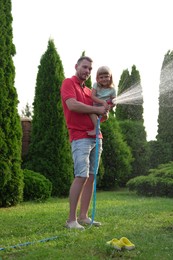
[105,104]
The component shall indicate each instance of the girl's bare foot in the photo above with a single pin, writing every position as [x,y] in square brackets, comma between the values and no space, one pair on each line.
[92,132]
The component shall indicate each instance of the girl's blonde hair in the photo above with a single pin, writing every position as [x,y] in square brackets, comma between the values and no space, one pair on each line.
[105,70]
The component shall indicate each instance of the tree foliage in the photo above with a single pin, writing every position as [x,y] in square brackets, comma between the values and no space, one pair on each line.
[135,136]
[130,118]
[11,176]
[128,82]
[27,111]
[49,150]
[88,82]
[165,118]
[158,182]
[116,156]
[160,152]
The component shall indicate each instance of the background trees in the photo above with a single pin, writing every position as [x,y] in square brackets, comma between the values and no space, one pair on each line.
[116,156]
[130,118]
[161,150]
[125,152]
[27,111]
[11,176]
[49,150]
[165,118]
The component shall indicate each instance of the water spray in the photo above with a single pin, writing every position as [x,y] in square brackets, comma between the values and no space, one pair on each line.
[131,96]
[166,86]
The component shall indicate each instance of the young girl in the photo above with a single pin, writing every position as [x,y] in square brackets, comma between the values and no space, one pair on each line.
[103,92]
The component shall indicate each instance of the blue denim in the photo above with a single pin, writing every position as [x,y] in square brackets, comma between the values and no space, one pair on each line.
[84,156]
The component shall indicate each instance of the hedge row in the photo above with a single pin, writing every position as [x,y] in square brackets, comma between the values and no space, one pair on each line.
[158,183]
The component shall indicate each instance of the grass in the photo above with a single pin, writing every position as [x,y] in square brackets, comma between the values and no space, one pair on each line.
[147,222]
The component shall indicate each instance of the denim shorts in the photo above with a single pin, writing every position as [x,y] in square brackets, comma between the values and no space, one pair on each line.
[84,156]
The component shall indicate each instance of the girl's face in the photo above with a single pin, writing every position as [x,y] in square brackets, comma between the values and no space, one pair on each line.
[104,80]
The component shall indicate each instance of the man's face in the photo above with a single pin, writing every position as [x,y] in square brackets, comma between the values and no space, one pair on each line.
[83,69]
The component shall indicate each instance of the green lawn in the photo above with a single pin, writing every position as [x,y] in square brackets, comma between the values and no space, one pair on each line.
[147,222]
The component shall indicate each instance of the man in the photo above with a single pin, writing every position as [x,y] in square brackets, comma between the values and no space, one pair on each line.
[77,106]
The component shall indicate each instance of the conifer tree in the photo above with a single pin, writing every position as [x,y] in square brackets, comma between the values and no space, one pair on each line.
[49,150]
[116,156]
[129,111]
[11,176]
[88,82]
[165,118]
[130,117]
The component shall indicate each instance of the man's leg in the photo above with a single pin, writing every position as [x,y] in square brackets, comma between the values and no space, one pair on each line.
[86,197]
[85,203]
[75,192]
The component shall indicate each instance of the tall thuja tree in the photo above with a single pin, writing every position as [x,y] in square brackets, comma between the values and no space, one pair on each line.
[165,118]
[124,84]
[11,176]
[130,117]
[88,82]
[116,156]
[49,150]
[127,81]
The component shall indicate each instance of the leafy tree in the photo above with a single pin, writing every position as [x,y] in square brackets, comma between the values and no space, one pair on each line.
[165,118]
[49,150]
[11,176]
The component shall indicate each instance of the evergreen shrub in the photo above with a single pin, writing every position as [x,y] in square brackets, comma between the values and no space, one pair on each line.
[49,150]
[158,183]
[37,187]
[11,176]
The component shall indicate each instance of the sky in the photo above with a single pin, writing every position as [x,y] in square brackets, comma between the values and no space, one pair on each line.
[115,33]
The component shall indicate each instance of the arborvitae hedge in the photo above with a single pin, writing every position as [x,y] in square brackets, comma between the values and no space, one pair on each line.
[11,176]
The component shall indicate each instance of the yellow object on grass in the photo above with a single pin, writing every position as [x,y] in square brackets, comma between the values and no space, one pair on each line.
[121,243]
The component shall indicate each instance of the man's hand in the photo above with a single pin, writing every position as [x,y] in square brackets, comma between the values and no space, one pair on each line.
[102,110]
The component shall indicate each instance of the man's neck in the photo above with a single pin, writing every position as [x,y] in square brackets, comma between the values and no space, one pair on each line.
[82,82]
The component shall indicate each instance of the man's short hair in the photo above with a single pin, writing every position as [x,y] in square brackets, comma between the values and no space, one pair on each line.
[84,58]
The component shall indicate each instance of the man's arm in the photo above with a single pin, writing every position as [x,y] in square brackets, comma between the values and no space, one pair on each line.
[80,107]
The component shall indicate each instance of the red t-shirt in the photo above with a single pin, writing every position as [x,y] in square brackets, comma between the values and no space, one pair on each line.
[77,123]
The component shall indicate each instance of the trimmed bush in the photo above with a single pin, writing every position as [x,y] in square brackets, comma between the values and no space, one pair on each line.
[144,185]
[36,186]
[163,170]
[158,183]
